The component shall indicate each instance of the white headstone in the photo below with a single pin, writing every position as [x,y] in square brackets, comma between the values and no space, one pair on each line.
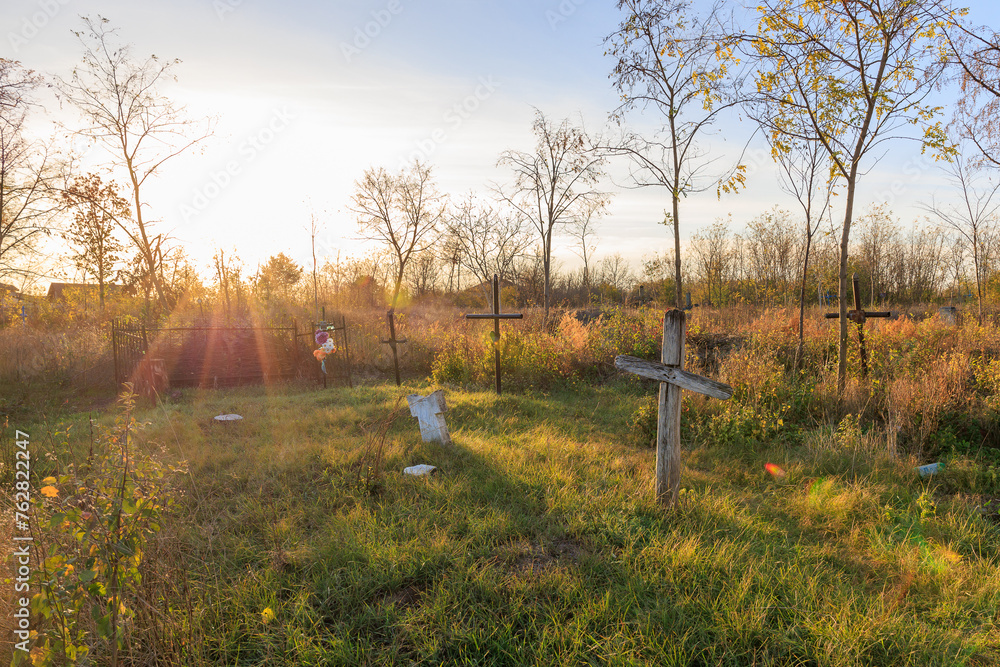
[429,412]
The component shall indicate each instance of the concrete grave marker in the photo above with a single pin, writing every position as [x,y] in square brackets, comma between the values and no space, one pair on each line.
[429,411]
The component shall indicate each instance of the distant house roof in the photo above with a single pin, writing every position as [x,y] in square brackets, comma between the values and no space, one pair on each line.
[57,291]
[7,289]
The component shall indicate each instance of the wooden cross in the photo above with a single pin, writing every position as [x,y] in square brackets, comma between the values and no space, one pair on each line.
[392,342]
[673,378]
[858,316]
[496,316]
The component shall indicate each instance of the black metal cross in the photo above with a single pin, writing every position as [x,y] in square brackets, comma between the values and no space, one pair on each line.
[496,316]
[392,342]
[858,316]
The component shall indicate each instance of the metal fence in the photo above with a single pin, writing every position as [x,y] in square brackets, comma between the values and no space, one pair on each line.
[208,356]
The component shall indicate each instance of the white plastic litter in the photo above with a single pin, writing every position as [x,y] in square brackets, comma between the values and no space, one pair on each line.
[228,418]
[422,469]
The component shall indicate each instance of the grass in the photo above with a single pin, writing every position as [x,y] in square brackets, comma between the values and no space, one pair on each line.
[539,541]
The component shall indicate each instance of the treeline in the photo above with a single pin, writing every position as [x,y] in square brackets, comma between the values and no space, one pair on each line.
[827,99]
[896,264]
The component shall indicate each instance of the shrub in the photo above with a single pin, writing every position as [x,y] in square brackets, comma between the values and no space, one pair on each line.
[97,521]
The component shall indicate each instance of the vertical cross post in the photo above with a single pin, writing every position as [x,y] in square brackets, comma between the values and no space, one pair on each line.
[859,319]
[858,316]
[668,422]
[496,316]
[392,342]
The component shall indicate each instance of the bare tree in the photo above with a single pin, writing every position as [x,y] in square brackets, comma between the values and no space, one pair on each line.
[313,230]
[423,274]
[668,60]
[616,273]
[804,173]
[119,99]
[973,219]
[770,254]
[582,230]
[229,281]
[974,53]
[877,241]
[712,252]
[401,212]
[486,240]
[554,184]
[918,264]
[29,177]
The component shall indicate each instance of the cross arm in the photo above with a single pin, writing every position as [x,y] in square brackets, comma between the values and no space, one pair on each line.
[852,314]
[656,371]
[498,316]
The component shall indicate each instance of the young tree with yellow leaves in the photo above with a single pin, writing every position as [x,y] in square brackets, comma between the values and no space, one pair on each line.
[849,75]
[681,65]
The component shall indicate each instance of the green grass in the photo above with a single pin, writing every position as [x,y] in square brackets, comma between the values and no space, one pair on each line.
[539,541]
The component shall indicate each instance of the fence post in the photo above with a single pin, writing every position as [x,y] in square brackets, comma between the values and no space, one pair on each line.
[347,352]
[668,423]
[114,352]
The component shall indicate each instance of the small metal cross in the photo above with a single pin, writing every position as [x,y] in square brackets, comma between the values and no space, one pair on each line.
[496,316]
[393,342]
[858,316]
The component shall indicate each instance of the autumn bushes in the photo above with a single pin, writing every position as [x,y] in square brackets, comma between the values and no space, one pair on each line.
[932,387]
[538,357]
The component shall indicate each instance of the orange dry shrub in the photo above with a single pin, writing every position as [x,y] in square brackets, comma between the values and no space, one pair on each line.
[916,400]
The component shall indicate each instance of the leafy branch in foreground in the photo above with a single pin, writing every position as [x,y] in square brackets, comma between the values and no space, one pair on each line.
[97,522]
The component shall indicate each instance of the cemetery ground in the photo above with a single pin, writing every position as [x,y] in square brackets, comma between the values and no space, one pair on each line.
[294,537]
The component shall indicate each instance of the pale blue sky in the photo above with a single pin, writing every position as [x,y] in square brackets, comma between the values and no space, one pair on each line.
[305,105]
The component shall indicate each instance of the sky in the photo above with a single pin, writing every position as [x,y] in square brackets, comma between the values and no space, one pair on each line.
[306,95]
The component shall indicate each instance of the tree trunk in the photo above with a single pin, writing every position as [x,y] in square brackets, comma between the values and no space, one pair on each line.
[979,286]
[146,249]
[678,288]
[802,300]
[546,267]
[844,244]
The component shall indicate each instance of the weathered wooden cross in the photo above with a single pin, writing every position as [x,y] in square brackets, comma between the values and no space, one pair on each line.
[496,316]
[673,378]
[858,316]
[393,342]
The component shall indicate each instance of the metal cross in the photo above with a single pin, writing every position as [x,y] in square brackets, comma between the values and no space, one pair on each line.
[858,316]
[392,342]
[496,316]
